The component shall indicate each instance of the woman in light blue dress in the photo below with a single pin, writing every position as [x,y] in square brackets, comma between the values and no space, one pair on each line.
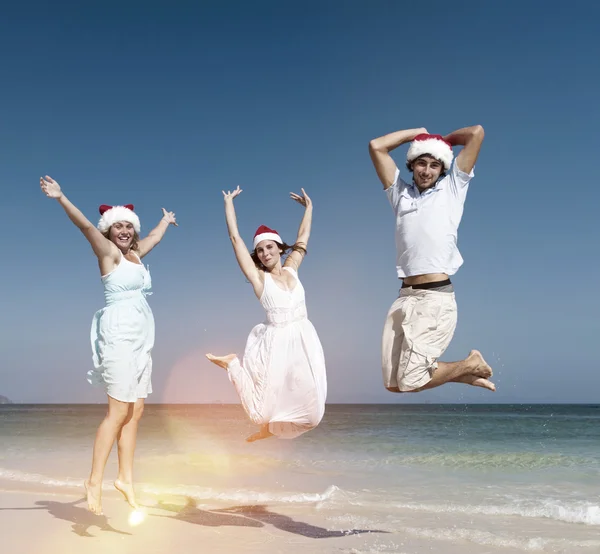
[122,333]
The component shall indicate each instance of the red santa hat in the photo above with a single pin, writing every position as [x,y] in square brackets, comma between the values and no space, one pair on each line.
[433,145]
[264,233]
[112,214]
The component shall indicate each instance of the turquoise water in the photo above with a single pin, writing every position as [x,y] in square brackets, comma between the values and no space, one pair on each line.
[454,468]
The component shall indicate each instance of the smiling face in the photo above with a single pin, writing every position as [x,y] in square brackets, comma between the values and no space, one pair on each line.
[426,171]
[122,234]
[268,253]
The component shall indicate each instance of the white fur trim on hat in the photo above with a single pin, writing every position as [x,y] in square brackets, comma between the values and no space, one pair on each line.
[267,236]
[435,147]
[118,213]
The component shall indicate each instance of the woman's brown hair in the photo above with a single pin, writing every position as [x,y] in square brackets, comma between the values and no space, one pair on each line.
[283,249]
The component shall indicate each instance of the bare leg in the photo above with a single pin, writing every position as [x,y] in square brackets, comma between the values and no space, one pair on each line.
[105,437]
[264,433]
[126,448]
[221,361]
[474,366]
[250,390]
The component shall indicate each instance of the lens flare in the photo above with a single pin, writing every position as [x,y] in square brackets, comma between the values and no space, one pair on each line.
[136,517]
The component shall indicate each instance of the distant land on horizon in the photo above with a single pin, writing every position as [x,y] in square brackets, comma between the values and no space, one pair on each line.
[4,400]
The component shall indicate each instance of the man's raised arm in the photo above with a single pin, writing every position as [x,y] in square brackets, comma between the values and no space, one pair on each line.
[380,149]
[471,138]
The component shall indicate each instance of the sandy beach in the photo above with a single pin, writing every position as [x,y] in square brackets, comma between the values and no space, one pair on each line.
[59,523]
[37,520]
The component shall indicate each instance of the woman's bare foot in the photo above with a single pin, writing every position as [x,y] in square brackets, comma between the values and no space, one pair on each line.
[126,489]
[477,382]
[221,361]
[264,433]
[479,366]
[94,497]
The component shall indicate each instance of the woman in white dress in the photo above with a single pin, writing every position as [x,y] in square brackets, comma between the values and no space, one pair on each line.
[281,381]
[122,333]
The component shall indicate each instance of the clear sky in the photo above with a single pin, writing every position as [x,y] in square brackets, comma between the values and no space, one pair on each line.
[166,103]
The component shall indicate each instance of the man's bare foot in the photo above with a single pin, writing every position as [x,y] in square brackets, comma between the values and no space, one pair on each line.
[126,489]
[264,433]
[94,497]
[221,361]
[477,382]
[478,365]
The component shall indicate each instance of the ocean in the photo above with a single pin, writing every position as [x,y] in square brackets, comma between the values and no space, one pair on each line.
[513,477]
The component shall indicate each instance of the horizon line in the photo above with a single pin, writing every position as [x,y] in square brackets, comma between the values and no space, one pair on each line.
[327,404]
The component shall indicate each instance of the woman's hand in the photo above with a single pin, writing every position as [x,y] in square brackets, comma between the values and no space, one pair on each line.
[304,200]
[229,196]
[50,187]
[169,217]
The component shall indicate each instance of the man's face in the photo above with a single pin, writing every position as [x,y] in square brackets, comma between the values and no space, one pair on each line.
[426,171]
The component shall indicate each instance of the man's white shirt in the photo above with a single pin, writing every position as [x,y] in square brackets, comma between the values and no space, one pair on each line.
[427,223]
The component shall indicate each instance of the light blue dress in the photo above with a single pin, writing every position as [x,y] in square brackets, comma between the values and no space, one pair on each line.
[123,334]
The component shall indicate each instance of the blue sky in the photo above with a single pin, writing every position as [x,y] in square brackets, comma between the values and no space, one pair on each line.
[166,103]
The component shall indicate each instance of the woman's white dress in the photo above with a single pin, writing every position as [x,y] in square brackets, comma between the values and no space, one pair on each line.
[282,380]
